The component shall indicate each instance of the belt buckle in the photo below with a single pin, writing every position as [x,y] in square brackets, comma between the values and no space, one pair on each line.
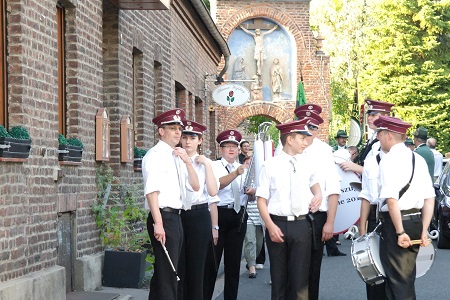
[291,218]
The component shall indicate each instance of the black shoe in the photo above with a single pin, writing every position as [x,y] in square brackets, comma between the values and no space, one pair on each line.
[252,275]
[337,254]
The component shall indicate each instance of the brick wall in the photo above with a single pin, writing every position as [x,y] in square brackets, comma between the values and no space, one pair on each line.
[169,46]
[294,17]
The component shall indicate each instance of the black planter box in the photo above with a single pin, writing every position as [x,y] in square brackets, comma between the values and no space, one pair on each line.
[72,153]
[18,148]
[124,269]
[137,164]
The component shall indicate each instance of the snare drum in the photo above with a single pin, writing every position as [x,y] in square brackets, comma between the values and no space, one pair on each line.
[366,258]
[424,260]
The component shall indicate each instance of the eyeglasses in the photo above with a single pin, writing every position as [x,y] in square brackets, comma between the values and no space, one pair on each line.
[174,128]
[230,146]
[313,128]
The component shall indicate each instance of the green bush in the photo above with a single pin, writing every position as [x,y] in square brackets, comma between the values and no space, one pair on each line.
[75,142]
[3,132]
[16,132]
[62,140]
[138,152]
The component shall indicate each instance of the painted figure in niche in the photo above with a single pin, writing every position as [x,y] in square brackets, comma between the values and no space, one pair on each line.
[276,75]
[239,70]
[258,36]
[256,90]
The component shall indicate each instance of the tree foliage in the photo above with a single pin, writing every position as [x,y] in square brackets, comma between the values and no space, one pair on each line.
[255,121]
[397,51]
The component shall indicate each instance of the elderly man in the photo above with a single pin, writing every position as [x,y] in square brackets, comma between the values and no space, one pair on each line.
[420,139]
[341,140]
[438,157]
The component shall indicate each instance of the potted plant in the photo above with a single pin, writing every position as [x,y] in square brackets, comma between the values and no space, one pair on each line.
[138,155]
[70,149]
[122,222]
[16,143]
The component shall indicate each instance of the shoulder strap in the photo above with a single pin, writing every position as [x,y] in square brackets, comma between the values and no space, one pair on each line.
[366,151]
[406,187]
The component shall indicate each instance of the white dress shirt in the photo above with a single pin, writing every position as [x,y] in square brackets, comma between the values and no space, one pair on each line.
[370,184]
[201,196]
[438,161]
[160,175]
[226,195]
[274,183]
[395,172]
[329,180]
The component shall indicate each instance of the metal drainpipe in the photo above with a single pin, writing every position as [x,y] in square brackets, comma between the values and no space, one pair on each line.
[206,17]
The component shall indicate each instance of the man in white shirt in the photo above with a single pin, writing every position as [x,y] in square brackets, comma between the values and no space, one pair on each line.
[438,157]
[321,153]
[286,182]
[406,209]
[231,216]
[165,169]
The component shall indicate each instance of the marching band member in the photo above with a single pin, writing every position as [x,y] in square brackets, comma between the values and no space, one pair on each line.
[166,169]
[232,217]
[196,217]
[406,212]
[283,202]
[321,153]
[369,204]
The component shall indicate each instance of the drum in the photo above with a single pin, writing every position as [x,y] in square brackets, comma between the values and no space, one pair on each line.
[424,260]
[366,258]
[349,205]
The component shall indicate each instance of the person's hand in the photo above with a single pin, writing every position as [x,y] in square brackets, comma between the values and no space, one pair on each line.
[240,170]
[404,241]
[315,203]
[159,233]
[215,234]
[425,239]
[178,151]
[201,159]
[275,233]
[327,231]
[250,191]
[348,166]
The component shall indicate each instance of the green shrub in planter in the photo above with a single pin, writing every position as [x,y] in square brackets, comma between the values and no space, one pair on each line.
[16,143]
[70,149]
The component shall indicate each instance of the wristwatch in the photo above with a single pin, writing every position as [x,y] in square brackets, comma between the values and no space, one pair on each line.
[400,233]
[215,227]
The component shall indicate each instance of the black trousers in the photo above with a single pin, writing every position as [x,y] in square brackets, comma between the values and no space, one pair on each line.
[290,260]
[197,237]
[316,255]
[230,244]
[374,292]
[261,258]
[399,264]
[164,284]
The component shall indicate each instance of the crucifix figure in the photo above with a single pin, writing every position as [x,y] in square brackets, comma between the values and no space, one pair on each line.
[258,36]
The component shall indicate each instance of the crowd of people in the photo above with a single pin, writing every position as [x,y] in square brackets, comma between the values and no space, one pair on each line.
[202,211]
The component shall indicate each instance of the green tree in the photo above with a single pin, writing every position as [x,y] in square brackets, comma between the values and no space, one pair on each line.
[254,123]
[407,57]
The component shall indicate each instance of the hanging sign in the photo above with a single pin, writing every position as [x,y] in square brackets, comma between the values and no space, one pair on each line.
[231,95]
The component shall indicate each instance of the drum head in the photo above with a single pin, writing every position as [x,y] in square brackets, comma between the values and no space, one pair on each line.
[349,205]
[424,259]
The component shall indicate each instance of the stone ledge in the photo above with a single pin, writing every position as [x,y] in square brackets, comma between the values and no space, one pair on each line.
[49,284]
[88,272]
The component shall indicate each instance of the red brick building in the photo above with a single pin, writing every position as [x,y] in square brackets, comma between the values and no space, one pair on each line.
[308,62]
[63,61]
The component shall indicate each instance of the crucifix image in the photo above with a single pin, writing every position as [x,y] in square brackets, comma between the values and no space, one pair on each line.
[258,36]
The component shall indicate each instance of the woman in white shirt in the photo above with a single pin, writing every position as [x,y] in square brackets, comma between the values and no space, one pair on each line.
[199,216]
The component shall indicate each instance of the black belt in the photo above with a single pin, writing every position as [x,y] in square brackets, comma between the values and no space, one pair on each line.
[229,206]
[410,214]
[199,206]
[171,210]
[288,218]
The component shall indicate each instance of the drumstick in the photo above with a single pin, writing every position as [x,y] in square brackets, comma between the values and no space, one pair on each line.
[417,242]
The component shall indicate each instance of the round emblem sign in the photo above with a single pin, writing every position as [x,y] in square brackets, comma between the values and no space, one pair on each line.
[231,95]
